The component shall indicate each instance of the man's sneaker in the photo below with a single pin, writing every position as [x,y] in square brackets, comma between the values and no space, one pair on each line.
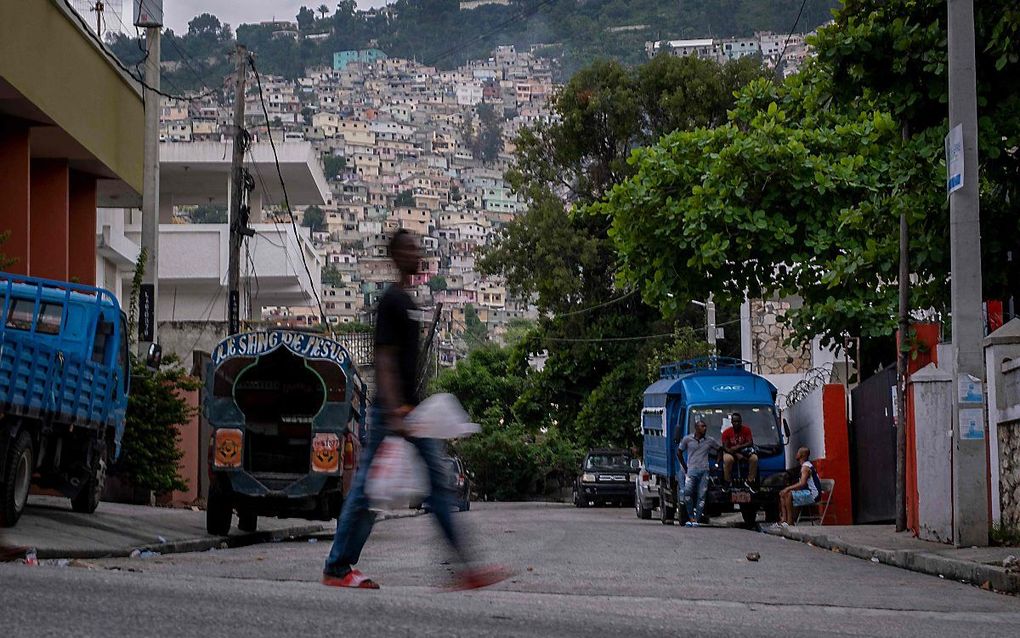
[751,486]
[695,524]
[690,524]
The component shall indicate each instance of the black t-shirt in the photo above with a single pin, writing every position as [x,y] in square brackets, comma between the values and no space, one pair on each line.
[396,326]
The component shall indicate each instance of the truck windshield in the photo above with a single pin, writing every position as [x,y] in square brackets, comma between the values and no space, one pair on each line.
[610,462]
[760,418]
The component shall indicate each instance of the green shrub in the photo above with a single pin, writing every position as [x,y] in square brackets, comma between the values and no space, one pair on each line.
[156,406]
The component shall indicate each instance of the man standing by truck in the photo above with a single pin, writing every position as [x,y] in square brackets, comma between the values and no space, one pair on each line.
[699,448]
[736,443]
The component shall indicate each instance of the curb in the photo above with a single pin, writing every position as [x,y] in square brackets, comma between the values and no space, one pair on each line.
[199,544]
[204,543]
[985,576]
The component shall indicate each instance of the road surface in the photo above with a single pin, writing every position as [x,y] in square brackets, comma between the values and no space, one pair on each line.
[591,572]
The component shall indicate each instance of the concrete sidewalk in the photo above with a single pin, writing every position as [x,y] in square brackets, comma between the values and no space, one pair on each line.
[116,529]
[981,566]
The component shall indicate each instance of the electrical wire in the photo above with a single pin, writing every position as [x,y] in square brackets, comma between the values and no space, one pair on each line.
[283,185]
[789,35]
[113,58]
[596,306]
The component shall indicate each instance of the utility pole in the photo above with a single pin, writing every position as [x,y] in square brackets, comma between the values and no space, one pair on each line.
[970,463]
[148,295]
[712,331]
[901,370]
[238,222]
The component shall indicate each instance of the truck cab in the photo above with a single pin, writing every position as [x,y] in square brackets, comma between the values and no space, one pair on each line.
[64,382]
[711,389]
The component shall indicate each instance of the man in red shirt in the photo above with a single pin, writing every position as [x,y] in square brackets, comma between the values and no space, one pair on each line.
[734,441]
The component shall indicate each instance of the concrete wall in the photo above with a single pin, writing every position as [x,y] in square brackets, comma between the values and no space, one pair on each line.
[1002,369]
[49,60]
[819,421]
[930,454]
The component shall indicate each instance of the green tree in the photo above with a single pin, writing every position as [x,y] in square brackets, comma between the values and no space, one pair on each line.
[405,199]
[332,277]
[314,218]
[475,331]
[800,191]
[438,283]
[209,214]
[333,165]
[5,261]
[305,19]
[598,339]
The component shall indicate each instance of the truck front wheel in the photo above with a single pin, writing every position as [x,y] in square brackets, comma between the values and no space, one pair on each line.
[219,509]
[666,513]
[87,499]
[16,480]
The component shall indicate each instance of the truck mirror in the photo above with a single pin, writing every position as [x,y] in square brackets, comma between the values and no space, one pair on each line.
[154,357]
[786,429]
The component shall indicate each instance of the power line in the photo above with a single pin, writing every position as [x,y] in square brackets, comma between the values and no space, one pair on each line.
[596,306]
[790,33]
[113,58]
[608,339]
[283,186]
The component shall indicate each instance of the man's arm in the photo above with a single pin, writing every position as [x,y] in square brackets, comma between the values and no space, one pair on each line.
[680,454]
[390,392]
[805,474]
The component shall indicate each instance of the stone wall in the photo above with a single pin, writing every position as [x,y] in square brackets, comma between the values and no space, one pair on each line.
[1009,473]
[771,354]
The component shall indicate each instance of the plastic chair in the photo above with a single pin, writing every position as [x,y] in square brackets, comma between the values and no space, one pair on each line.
[821,505]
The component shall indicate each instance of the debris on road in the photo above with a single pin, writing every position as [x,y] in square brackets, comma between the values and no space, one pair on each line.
[754,557]
[874,559]
[162,540]
[313,540]
[143,553]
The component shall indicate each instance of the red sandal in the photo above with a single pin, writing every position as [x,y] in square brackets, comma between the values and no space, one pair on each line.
[479,577]
[353,579]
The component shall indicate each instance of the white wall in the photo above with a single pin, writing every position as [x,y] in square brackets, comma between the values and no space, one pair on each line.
[807,426]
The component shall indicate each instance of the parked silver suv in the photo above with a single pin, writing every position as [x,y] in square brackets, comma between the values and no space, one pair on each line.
[646,493]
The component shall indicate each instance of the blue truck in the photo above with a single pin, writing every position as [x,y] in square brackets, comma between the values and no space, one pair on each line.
[64,382]
[712,389]
[287,411]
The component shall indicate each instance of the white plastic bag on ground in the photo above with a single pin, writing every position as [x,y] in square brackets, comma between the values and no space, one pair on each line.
[397,476]
[440,416]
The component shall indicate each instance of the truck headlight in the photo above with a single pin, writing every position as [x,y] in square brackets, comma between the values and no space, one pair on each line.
[587,477]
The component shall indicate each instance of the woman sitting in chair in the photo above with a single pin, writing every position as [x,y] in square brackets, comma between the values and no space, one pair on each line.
[802,493]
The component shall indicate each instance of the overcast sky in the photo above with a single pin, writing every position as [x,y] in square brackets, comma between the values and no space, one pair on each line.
[177,13]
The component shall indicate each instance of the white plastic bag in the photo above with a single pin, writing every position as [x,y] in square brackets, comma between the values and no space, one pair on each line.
[397,477]
[440,416]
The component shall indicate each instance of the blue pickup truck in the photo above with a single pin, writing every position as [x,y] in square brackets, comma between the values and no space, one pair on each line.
[64,380]
[711,389]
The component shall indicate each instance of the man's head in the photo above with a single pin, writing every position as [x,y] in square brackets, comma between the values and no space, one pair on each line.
[803,454]
[404,252]
[737,421]
[700,428]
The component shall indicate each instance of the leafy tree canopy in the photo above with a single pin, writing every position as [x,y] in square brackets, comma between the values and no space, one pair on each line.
[801,190]
[314,218]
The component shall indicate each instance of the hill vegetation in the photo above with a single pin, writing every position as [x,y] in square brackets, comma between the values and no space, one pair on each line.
[439,33]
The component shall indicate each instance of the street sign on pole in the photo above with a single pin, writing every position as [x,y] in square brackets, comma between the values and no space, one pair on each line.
[954,159]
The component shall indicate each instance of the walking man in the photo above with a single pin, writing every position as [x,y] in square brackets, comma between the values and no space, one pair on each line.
[700,448]
[397,333]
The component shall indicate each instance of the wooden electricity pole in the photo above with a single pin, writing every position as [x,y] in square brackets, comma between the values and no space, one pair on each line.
[237,195]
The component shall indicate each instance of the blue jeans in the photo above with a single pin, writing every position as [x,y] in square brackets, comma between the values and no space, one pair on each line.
[356,519]
[696,481]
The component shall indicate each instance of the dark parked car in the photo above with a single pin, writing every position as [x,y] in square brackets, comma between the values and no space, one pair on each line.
[459,484]
[607,476]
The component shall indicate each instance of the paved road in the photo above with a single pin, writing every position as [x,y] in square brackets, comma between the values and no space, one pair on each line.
[594,572]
